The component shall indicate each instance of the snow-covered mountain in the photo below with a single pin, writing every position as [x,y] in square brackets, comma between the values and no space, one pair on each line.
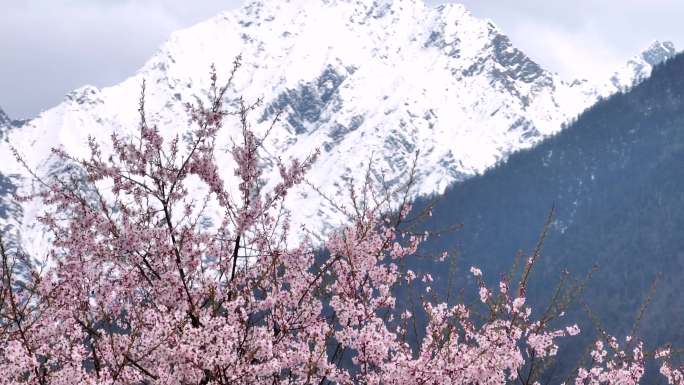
[362,80]
[9,209]
[638,68]
[4,119]
[5,123]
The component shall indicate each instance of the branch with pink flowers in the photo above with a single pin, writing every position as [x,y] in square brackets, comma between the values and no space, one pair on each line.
[140,292]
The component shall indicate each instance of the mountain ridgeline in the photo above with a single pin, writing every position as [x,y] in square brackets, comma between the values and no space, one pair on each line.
[616,179]
[390,78]
[5,123]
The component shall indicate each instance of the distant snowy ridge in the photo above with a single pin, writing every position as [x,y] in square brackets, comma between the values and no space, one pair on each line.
[5,123]
[639,68]
[636,69]
[4,119]
[355,79]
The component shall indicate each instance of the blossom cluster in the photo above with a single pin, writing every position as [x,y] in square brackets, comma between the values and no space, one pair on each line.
[143,293]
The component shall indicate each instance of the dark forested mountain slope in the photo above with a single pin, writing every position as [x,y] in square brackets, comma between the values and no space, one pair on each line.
[616,178]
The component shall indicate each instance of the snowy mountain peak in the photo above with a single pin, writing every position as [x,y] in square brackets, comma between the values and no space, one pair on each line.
[658,52]
[83,95]
[353,78]
[5,124]
[639,67]
[4,119]
[372,8]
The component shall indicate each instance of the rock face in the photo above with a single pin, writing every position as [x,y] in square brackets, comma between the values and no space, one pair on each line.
[4,119]
[5,124]
[10,210]
[364,81]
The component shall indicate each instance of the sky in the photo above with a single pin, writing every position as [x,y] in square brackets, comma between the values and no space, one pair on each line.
[50,47]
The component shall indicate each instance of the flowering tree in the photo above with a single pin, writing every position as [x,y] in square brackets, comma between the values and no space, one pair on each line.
[142,292]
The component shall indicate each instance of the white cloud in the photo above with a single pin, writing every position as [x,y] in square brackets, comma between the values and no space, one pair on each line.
[574,55]
[56,46]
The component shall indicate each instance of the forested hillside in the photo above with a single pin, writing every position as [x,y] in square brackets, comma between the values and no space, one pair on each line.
[616,179]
